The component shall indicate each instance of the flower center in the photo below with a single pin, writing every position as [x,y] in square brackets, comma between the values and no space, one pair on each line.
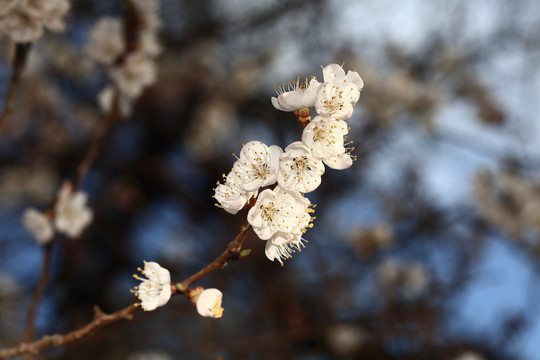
[300,164]
[333,105]
[269,211]
[262,171]
[319,133]
[217,310]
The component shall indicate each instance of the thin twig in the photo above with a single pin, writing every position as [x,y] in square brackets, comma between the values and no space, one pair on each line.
[21,53]
[38,293]
[97,142]
[233,252]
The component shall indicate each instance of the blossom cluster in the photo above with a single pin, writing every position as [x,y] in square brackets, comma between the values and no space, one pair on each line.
[511,201]
[70,216]
[280,214]
[131,66]
[407,279]
[23,21]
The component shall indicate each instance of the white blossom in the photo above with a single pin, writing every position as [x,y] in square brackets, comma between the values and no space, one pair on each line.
[209,303]
[53,16]
[282,245]
[335,73]
[7,5]
[297,95]
[325,138]
[469,355]
[155,288]
[21,27]
[149,44]
[71,214]
[39,225]
[299,170]
[416,279]
[274,211]
[152,355]
[134,74]
[24,20]
[339,92]
[257,165]
[105,99]
[106,41]
[148,10]
[302,208]
[409,279]
[231,197]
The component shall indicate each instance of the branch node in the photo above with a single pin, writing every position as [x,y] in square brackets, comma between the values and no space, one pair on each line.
[98,313]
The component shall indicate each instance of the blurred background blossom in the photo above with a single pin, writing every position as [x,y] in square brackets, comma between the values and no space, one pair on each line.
[426,248]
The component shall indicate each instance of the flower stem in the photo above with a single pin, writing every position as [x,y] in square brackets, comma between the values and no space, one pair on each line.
[38,293]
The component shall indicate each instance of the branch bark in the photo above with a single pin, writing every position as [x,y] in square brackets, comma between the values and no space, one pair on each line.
[38,293]
[21,53]
[230,254]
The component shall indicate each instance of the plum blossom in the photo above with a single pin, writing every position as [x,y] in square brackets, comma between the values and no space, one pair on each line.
[148,11]
[105,101]
[335,73]
[296,95]
[106,41]
[299,170]
[155,288]
[406,279]
[209,303]
[39,225]
[136,73]
[282,245]
[24,20]
[71,213]
[339,92]
[325,138]
[257,165]
[274,211]
[231,197]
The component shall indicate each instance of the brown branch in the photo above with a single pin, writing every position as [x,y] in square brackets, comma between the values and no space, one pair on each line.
[21,53]
[233,252]
[97,142]
[38,293]
[100,320]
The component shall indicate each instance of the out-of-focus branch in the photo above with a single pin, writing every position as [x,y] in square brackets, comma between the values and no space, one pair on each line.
[21,53]
[233,252]
[38,292]
[97,142]
[87,161]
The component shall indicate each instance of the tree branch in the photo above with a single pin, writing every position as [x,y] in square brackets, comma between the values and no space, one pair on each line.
[100,320]
[233,252]
[21,53]
[38,293]
[230,254]
[97,142]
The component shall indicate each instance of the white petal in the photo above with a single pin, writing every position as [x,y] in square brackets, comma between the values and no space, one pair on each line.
[39,225]
[339,162]
[209,303]
[332,71]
